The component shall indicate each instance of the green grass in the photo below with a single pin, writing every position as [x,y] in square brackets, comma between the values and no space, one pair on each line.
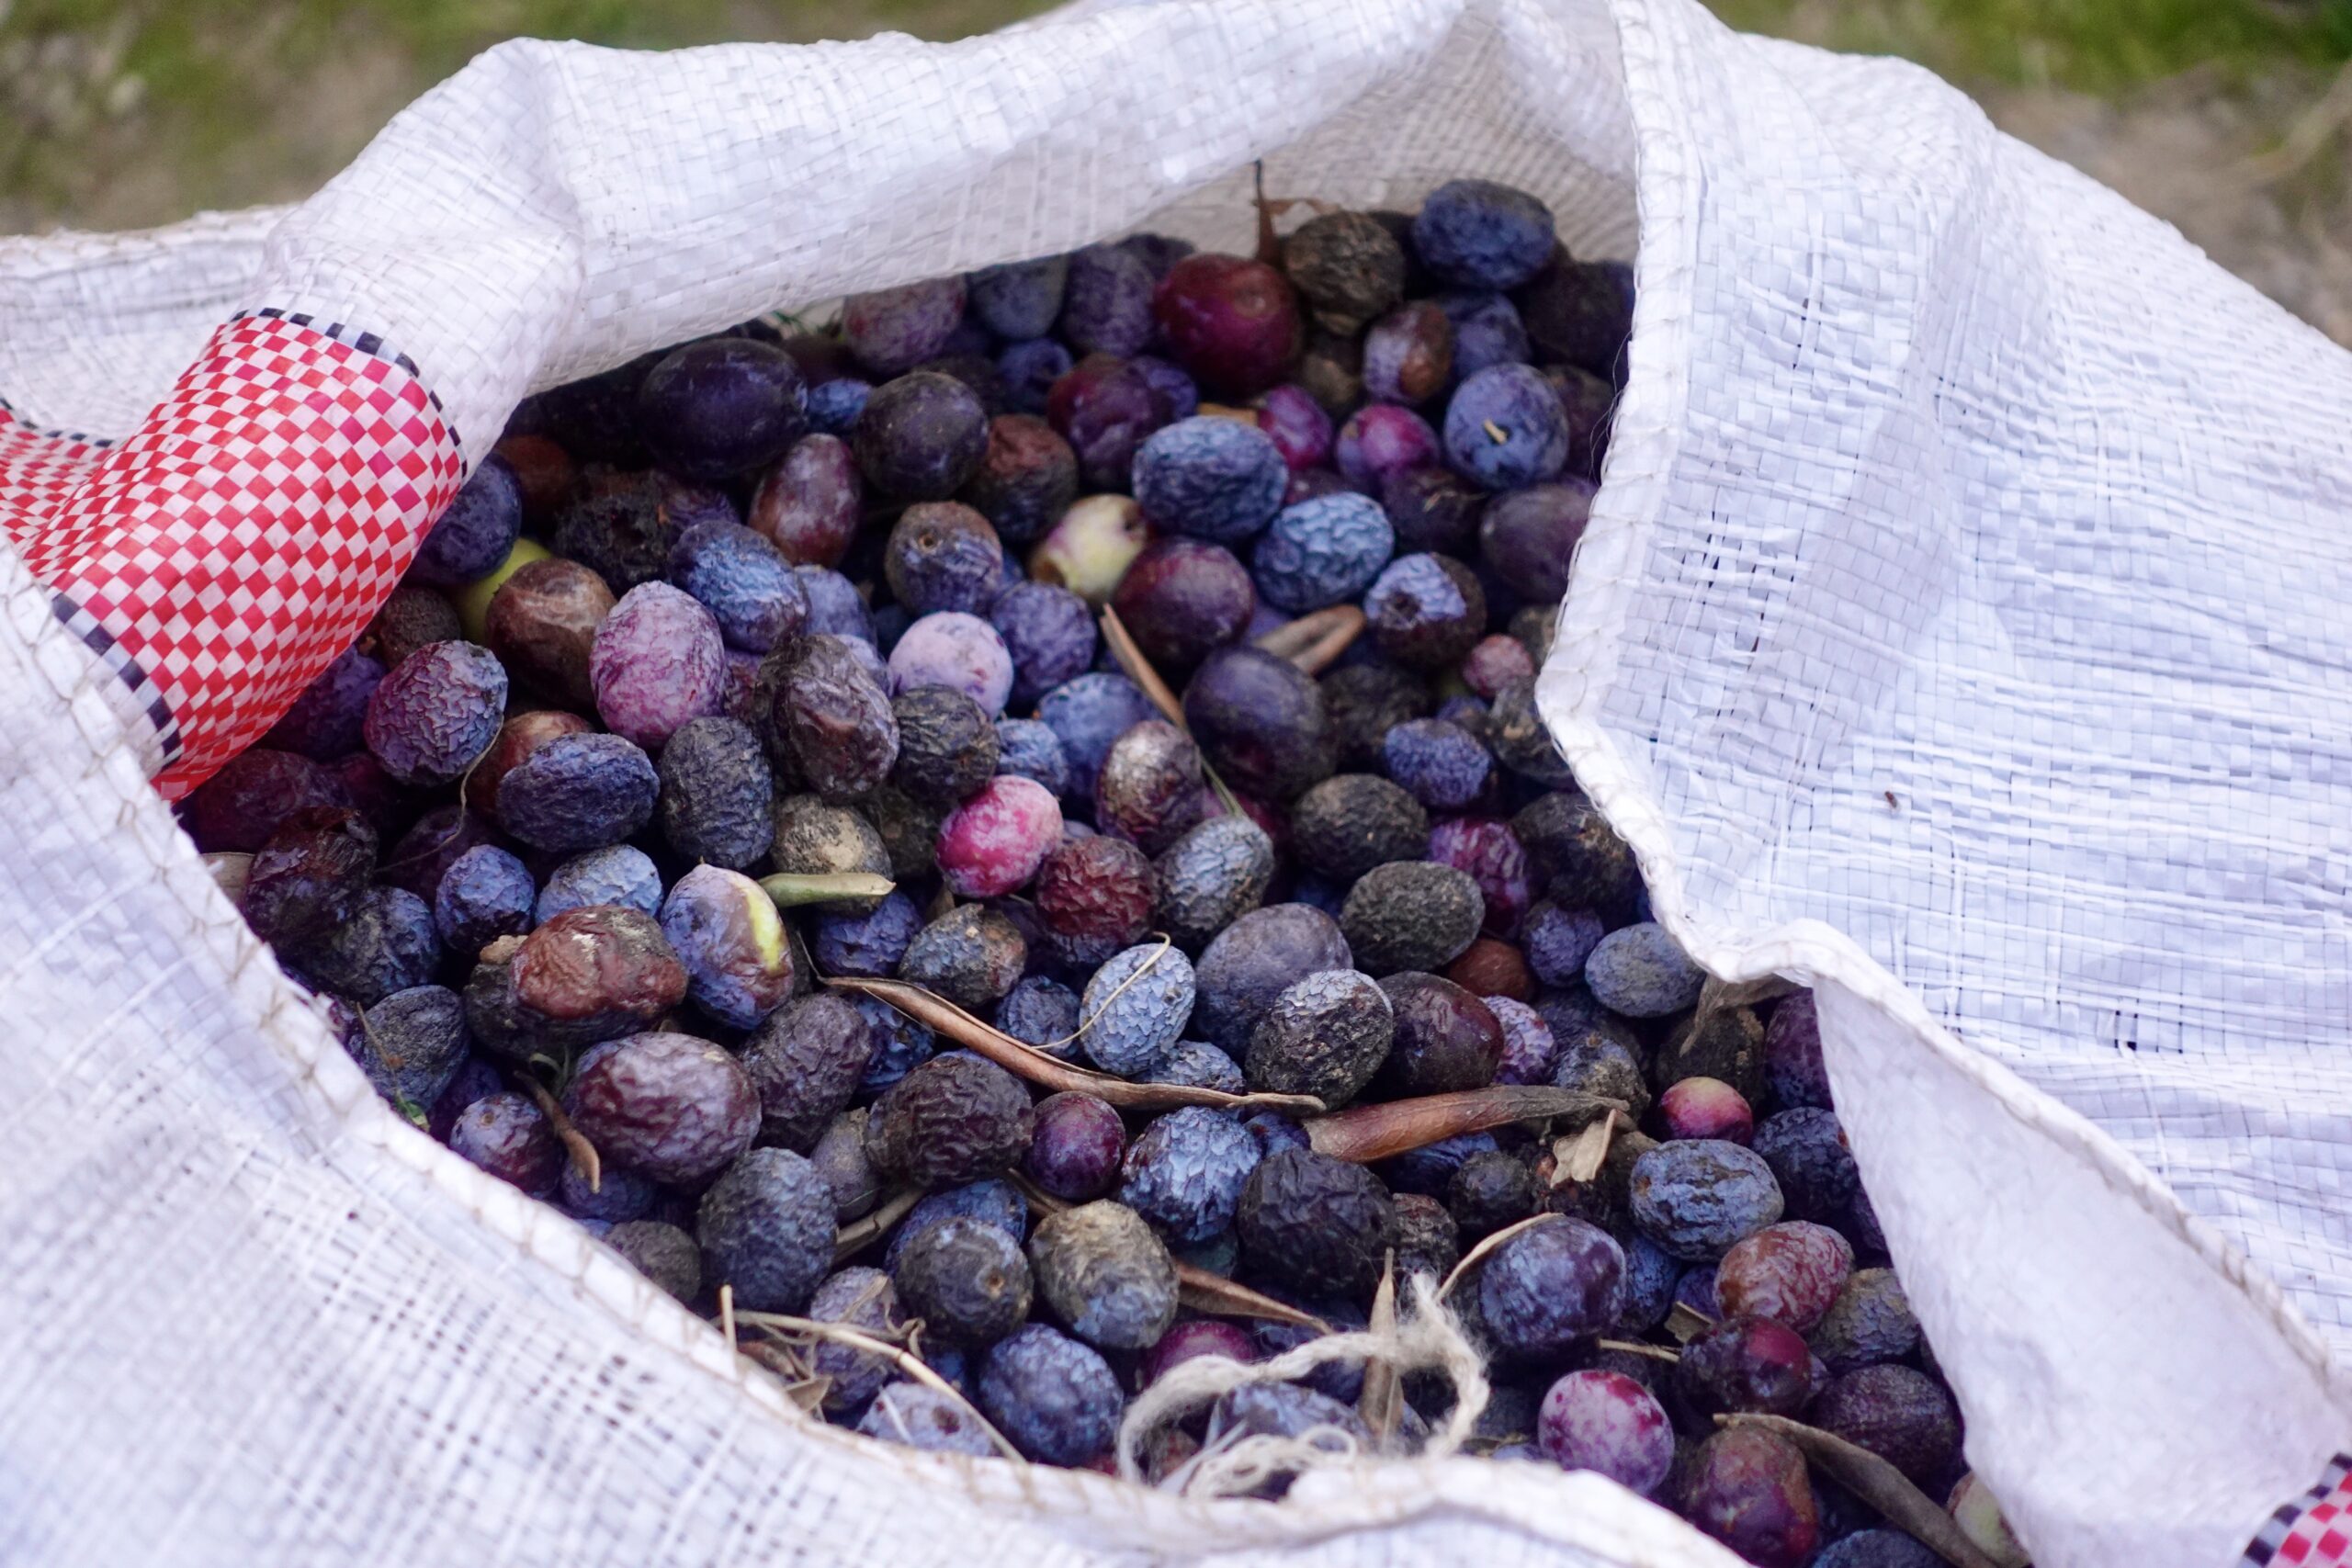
[119,112]
[2094,46]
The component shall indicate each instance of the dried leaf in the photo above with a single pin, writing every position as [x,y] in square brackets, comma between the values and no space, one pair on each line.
[1485,1250]
[1314,642]
[858,1235]
[1580,1159]
[1025,1061]
[1213,1295]
[1716,995]
[806,1388]
[1382,1402]
[1686,1322]
[789,890]
[1877,1482]
[1366,1132]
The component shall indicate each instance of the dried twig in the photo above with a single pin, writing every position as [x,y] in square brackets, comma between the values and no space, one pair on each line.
[726,1314]
[1314,641]
[858,1235]
[1638,1348]
[1367,1133]
[1136,668]
[1485,1250]
[1025,1061]
[906,1362]
[584,1158]
[1151,961]
[1877,1482]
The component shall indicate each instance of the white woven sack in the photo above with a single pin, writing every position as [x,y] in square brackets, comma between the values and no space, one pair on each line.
[1960,628]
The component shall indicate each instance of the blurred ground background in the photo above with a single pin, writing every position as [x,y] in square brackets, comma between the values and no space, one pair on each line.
[2233,118]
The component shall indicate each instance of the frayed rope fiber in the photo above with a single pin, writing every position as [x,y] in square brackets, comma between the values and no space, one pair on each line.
[1430,1336]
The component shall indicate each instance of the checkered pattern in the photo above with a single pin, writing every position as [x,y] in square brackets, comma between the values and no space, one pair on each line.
[219,558]
[38,468]
[2313,1531]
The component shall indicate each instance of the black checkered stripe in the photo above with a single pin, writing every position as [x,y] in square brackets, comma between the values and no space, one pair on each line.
[363,341]
[9,410]
[144,694]
[2277,1529]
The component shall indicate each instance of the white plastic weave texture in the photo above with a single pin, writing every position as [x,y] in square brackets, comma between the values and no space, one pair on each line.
[1960,628]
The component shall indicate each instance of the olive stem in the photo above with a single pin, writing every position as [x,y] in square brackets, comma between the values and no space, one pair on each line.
[792,889]
[585,1157]
[1025,1061]
[864,1233]
[1313,641]
[1471,1259]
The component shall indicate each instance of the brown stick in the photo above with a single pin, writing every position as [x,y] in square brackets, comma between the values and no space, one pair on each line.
[1270,249]
[1138,668]
[1025,1061]
[585,1157]
[1368,1133]
[1877,1482]
[860,1233]
[1638,1348]
[1314,641]
[1486,1249]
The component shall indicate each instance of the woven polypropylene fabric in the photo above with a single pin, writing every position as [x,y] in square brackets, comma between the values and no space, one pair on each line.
[1942,476]
[1963,582]
[242,538]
